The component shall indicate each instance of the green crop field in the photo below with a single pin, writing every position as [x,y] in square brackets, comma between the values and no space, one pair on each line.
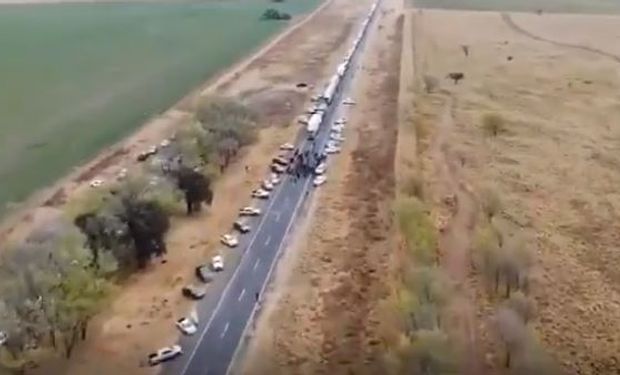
[77,77]
[555,6]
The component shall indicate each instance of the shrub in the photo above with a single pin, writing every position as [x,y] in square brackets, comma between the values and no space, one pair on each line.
[274,14]
[490,202]
[418,230]
[431,83]
[511,331]
[493,124]
[486,249]
[523,306]
[414,186]
[431,353]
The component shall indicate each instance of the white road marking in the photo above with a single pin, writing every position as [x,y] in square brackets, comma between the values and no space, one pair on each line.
[256,264]
[268,240]
[233,278]
[241,295]
[225,330]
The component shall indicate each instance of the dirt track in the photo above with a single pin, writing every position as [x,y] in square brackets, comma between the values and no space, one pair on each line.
[325,319]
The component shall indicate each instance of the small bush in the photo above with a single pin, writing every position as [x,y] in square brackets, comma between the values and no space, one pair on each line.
[418,230]
[431,84]
[90,201]
[414,186]
[493,124]
[274,14]
[431,353]
[486,249]
[491,203]
[523,306]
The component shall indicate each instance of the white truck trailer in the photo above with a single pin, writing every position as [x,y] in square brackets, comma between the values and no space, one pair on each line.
[313,124]
[328,95]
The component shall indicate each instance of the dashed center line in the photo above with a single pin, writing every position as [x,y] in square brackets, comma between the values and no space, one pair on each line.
[241,295]
[256,264]
[225,329]
[268,240]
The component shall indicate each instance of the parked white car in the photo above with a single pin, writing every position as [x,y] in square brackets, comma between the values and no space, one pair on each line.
[229,240]
[186,326]
[332,149]
[336,136]
[320,169]
[122,174]
[217,263]
[3,337]
[260,193]
[164,354]
[277,168]
[349,101]
[337,128]
[267,185]
[165,143]
[341,121]
[319,180]
[287,146]
[274,179]
[249,211]
[96,183]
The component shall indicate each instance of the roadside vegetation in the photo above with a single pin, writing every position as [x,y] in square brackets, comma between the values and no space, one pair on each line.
[59,277]
[420,343]
[504,259]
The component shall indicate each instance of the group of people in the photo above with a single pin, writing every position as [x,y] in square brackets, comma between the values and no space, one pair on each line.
[302,164]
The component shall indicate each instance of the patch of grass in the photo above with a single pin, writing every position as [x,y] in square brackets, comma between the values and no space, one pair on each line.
[413,186]
[493,124]
[490,202]
[77,77]
[418,230]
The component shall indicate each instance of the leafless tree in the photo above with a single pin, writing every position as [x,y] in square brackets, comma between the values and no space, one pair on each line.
[522,305]
[511,331]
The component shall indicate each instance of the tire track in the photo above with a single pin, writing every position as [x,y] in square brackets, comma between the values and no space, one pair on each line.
[511,23]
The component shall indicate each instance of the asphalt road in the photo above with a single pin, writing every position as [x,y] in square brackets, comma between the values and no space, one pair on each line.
[211,350]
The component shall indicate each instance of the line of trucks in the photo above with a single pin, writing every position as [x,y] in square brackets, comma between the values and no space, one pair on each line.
[326,98]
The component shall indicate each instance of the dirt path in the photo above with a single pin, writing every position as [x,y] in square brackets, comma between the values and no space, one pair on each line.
[456,237]
[511,23]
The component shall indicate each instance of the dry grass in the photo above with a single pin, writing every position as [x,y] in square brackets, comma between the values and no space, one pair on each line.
[555,171]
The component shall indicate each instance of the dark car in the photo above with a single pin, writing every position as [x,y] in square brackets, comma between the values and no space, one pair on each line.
[241,226]
[194,292]
[143,156]
[280,160]
[204,274]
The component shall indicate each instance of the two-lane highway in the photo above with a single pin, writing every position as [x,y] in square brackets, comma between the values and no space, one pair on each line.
[212,349]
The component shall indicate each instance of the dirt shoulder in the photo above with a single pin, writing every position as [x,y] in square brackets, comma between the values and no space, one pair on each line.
[323,316]
[151,299]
